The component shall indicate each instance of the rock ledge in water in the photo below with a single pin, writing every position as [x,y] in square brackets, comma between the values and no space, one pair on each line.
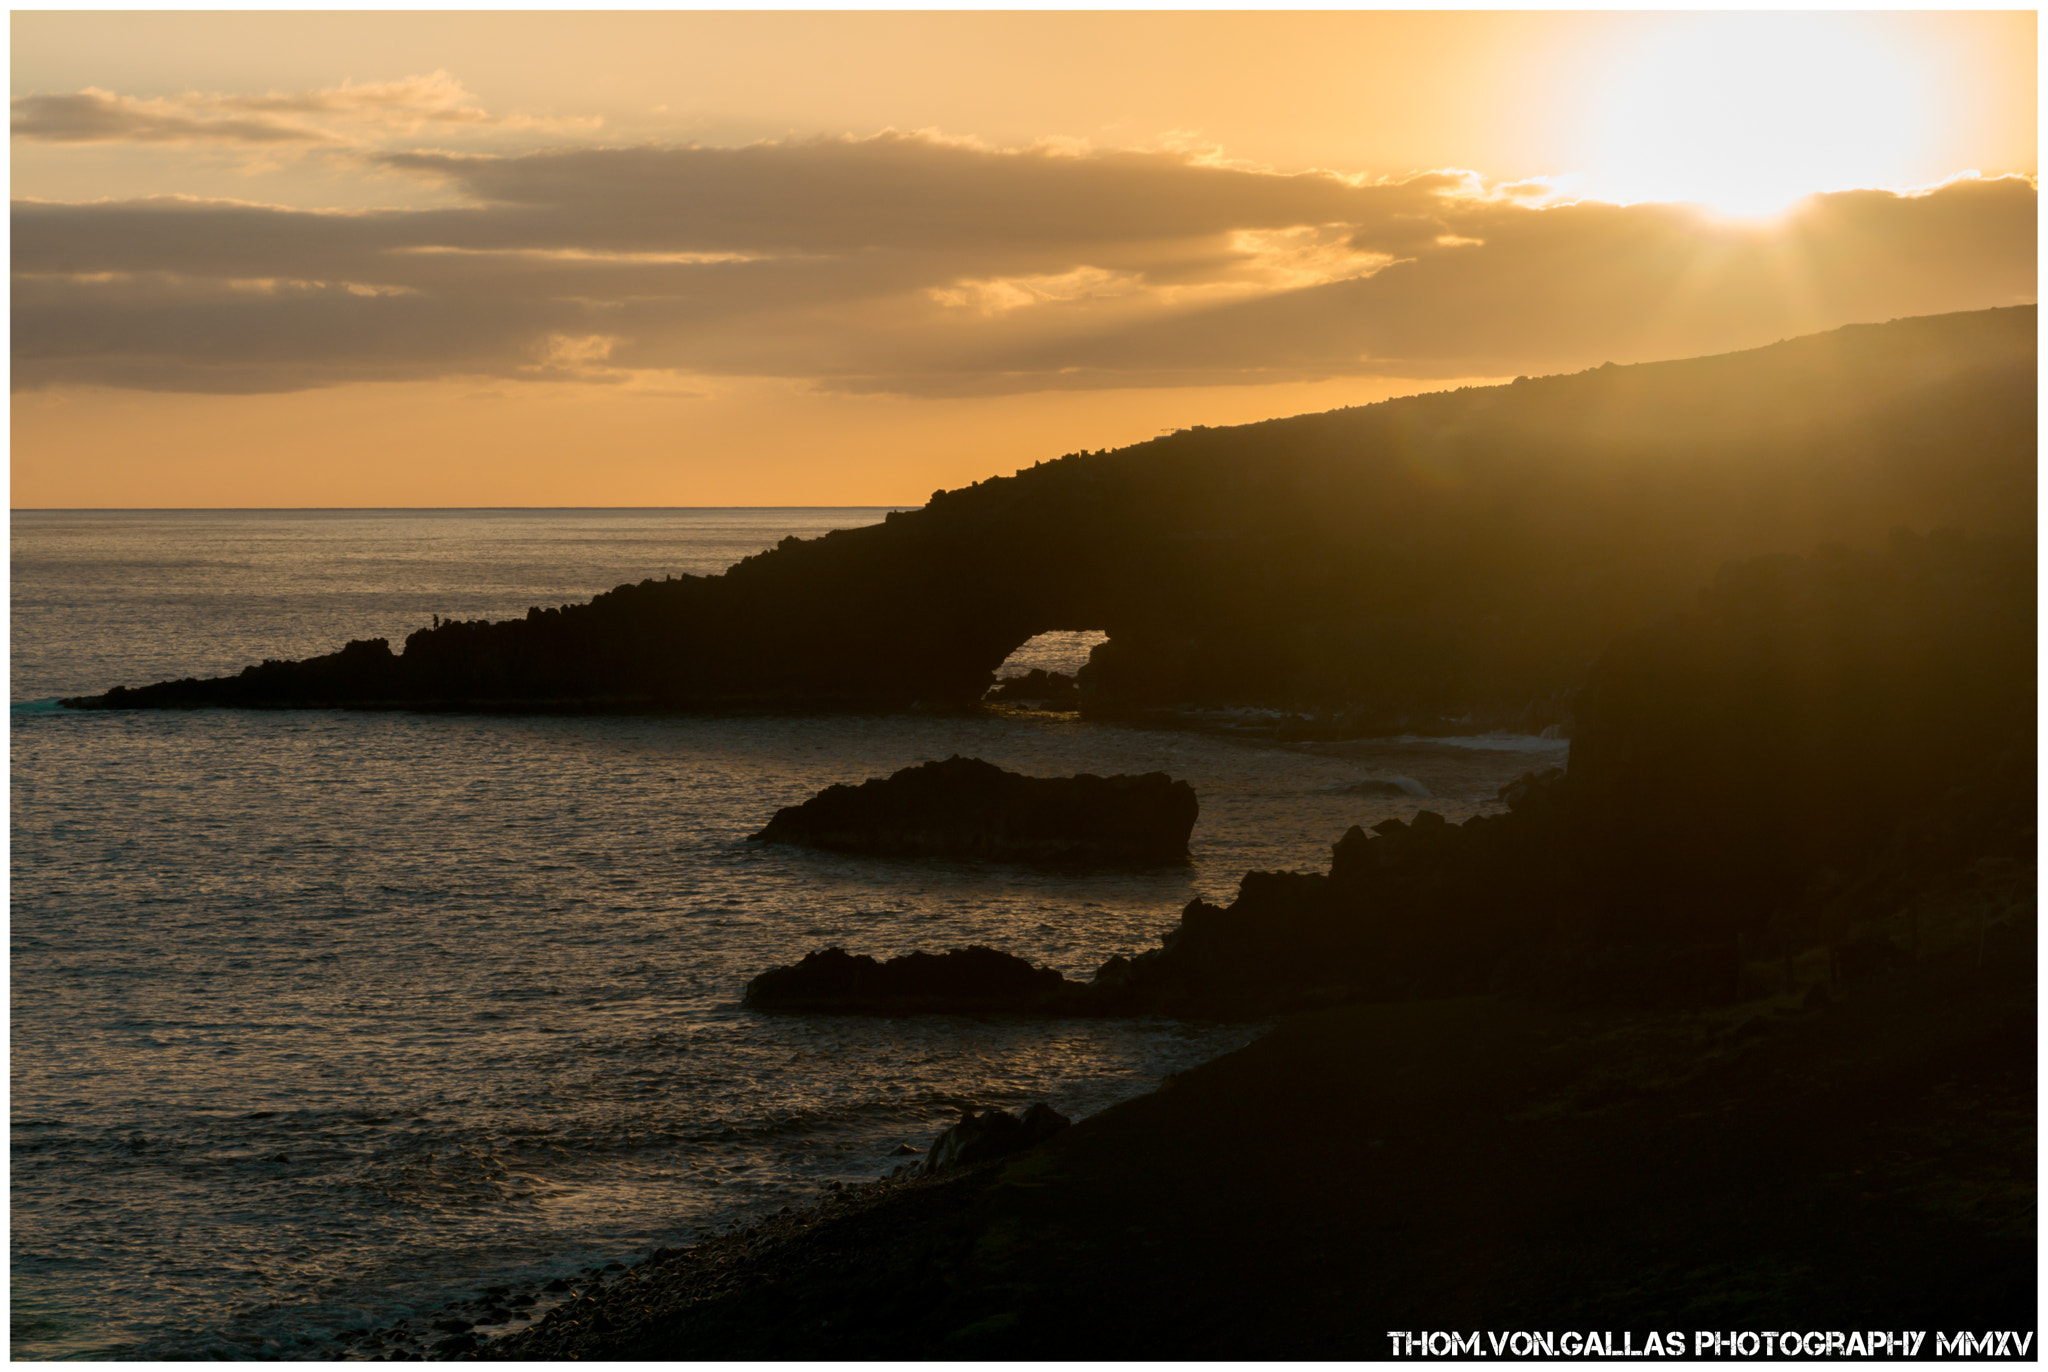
[964,980]
[966,808]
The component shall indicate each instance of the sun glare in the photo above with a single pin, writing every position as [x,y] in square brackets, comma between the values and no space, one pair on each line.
[1747,113]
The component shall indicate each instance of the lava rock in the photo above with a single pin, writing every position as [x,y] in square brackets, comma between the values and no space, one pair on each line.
[966,808]
[963,980]
[992,1134]
[1047,690]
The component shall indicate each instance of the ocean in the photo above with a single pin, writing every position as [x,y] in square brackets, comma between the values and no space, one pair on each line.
[323,1019]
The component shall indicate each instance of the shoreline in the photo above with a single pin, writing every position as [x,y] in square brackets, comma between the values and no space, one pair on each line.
[1819,1162]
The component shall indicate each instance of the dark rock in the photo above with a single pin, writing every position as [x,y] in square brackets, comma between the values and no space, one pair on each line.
[459,1343]
[966,808]
[962,980]
[1823,738]
[1869,956]
[992,1134]
[1530,787]
[1047,690]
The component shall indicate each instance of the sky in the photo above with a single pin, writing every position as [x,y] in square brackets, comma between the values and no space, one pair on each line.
[823,258]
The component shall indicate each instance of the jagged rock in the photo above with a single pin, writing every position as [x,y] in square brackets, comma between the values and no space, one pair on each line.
[1531,787]
[961,981]
[992,1134]
[966,808]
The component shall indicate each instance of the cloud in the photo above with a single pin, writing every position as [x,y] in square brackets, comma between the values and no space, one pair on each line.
[920,265]
[348,113]
[97,116]
[1519,289]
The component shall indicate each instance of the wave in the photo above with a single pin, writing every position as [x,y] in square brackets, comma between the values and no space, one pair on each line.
[1491,743]
[1398,787]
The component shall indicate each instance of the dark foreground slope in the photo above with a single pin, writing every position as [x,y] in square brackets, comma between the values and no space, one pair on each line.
[1442,1165]
[1460,553]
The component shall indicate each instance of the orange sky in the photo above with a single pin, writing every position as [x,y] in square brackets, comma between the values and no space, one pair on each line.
[821,258]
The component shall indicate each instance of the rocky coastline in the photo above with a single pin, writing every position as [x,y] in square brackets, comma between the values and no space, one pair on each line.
[1730,1024]
[1471,1163]
[1662,1047]
[1455,556]
[1761,790]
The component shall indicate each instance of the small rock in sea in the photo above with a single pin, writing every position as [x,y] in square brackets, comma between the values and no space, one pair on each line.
[904,1149]
[454,1326]
[966,808]
[615,1267]
[558,1284]
[460,1343]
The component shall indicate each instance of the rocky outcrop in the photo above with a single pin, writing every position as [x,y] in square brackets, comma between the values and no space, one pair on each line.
[1825,766]
[991,1134]
[1456,555]
[966,808]
[963,981]
[1820,749]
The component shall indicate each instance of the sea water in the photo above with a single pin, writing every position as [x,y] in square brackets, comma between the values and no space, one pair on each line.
[321,1019]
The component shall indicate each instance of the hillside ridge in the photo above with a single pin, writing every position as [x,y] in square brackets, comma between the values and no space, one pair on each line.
[1458,555]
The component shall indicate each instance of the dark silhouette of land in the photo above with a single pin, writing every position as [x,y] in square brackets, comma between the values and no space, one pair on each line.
[1776,789]
[1459,556]
[1729,1028]
[1469,1165]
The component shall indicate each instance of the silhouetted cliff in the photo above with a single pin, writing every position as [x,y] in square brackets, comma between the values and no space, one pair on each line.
[1464,553]
[1823,768]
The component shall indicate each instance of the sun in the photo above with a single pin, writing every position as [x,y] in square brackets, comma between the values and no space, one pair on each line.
[1747,113]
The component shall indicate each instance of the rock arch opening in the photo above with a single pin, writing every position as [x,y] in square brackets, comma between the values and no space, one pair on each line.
[1040,672]
[1056,650]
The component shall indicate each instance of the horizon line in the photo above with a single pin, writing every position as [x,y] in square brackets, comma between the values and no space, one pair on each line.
[415,509]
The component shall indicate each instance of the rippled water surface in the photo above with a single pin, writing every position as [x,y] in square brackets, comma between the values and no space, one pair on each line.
[320,1018]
